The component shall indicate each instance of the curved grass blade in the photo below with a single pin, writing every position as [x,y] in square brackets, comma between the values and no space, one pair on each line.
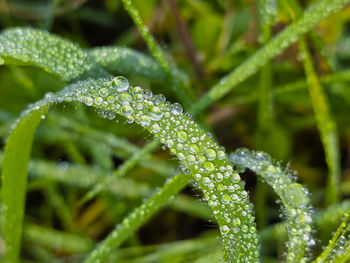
[294,196]
[28,46]
[317,12]
[200,156]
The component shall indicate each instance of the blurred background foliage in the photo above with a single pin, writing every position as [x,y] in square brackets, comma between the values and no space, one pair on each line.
[74,148]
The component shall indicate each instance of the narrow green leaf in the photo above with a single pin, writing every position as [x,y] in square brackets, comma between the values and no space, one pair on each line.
[14,180]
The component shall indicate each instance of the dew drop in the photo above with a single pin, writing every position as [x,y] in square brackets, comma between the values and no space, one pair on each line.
[120,83]
[98,101]
[124,98]
[182,136]
[127,110]
[236,221]
[226,199]
[176,108]
[159,99]
[206,181]
[225,229]
[103,92]
[209,166]
[155,128]
[191,159]
[89,101]
[210,154]
[156,113]
[147,93]
[145,121]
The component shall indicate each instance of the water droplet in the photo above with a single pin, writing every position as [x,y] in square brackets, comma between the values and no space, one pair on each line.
[145,121]
[155,128]
[225,229]
[235,178]
[136,90]
[120,83]
[159,99]
[206,180]
[236,221]
[98,101]
[147,93]
[103,92]
[127,110]
[176,108]
[219,177]
[124,98]
[89,101]
[156,113]
[110,98]
[209,166]
[221,155]
[210,154]
[225,199]
[182,136]
[191,159]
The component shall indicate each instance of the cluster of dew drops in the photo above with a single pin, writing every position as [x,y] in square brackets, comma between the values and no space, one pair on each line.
[198,154]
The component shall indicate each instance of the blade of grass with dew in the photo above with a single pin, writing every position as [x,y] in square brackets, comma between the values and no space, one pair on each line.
[312,16]
[201,156]
[297,206]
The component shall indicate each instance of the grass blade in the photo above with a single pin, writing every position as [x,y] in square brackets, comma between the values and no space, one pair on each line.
[14,180]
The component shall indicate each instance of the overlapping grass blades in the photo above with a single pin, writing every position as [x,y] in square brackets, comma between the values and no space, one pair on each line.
[297,206]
